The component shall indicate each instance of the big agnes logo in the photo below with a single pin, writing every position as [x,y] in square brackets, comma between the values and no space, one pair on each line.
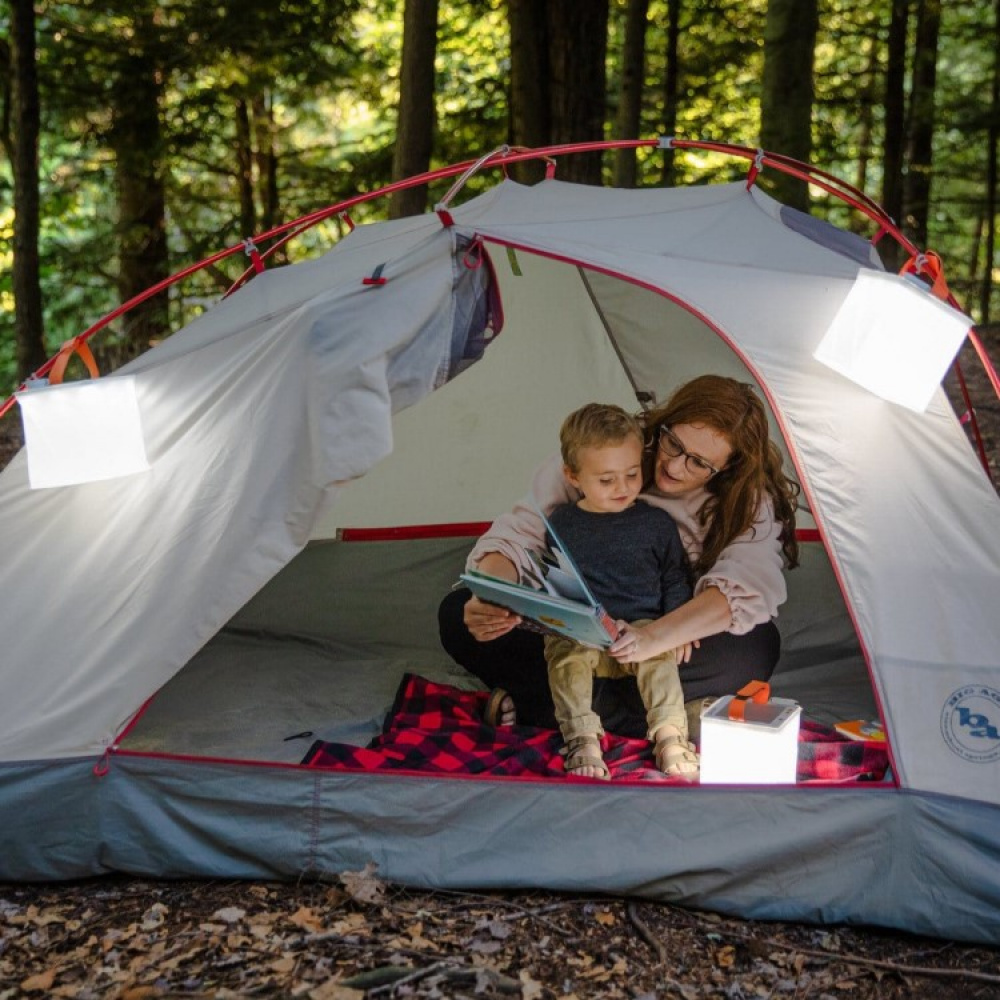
[970,723]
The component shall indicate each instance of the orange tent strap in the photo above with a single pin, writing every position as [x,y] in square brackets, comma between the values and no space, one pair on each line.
[928,264]
[71,347]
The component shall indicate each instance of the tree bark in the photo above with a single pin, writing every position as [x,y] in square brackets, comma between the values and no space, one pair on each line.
[26,118]
[920,138]
[787,90]
[266,157]
[895,124]
[415,126]
[992,141]
[627,120]
[578,43]
[671,87]
[244,165]
[529,83]
[138,146]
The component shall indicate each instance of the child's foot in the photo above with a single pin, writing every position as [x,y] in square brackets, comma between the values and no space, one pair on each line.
[674,755]
[584,758]
[500,709]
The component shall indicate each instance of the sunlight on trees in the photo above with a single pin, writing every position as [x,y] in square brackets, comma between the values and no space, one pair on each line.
[267,113]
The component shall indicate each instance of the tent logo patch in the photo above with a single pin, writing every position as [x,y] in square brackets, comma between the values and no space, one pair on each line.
[970,723]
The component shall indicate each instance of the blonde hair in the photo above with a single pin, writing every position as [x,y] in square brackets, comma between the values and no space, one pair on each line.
[734,410]
[593,426]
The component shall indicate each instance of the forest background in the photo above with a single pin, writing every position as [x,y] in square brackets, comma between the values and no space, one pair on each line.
[139,137]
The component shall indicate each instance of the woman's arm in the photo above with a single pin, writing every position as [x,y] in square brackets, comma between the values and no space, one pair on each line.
[705,614]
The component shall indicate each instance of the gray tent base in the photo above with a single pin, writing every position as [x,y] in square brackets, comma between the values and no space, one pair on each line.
[207,785]
[875,856]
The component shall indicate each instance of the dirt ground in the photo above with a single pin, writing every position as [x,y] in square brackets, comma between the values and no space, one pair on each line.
[131,939]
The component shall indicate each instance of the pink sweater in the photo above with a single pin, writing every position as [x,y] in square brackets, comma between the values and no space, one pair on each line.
[748,571]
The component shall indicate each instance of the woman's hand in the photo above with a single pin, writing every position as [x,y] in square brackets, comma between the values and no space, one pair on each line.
[636,643]
[630,646]
[487,621]
[684,652]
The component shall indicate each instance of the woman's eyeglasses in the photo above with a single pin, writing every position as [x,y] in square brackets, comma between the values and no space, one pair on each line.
[670,447]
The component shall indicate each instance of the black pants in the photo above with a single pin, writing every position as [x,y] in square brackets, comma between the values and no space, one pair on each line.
[721,665]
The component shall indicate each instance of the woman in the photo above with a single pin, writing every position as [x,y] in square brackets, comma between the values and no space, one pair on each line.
[710,464]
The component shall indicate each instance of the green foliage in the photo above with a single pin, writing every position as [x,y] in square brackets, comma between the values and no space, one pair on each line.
[322,76]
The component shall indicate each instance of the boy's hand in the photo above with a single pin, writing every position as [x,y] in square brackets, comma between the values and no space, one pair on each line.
[627,648]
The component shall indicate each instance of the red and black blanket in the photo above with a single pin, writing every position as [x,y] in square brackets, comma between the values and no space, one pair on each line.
[438,729]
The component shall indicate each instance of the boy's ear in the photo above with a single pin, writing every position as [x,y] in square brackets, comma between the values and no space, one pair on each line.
[570,476]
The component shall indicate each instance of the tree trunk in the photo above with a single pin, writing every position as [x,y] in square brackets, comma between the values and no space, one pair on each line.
[627,121]
[992,141]
[415,125]
[266,157]
[244,165]
[138,146]
[920,139]
[895,124]
[671,87]
[787,90]
[578,43]
[866,113]
[529,83]
[26,115]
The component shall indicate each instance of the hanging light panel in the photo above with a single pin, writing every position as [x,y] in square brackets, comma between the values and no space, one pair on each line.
[894,338]
[81,432]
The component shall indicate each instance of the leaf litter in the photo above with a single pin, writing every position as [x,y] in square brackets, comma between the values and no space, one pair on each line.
[359,937]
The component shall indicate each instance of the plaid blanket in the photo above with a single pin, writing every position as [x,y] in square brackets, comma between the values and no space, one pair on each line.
[438,729]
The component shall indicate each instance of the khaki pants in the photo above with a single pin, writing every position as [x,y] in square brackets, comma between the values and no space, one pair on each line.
[572,669]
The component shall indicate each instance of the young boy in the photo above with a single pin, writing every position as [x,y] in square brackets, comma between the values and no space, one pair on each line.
[631,556]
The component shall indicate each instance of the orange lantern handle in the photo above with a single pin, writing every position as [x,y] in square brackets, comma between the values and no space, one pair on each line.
[756,691]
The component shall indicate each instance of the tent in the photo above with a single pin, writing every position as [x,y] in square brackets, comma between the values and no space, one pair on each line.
[325,443]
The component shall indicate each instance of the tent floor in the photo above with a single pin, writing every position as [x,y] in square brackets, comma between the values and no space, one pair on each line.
[275,678]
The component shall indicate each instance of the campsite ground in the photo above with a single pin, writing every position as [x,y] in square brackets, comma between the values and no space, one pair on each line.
[358,937]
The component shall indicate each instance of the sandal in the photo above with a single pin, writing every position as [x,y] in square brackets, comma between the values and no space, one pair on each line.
[677,757]
[585,751]
[500,706]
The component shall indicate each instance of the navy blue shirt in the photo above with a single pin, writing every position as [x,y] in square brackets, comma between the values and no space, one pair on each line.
[633,560]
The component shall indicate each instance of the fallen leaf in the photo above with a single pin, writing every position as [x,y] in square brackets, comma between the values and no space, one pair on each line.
[307,919]
[47,917]
[726,957]
[283,965]
[39,983]
[531,989]
[154,917]
[364,886]
[229,914]
[605,917]
[333,990]
[352,922]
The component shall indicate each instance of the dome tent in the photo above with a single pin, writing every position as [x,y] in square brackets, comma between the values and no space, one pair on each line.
[310,498]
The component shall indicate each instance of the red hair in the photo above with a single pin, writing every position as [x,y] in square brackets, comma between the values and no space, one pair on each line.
[734,410]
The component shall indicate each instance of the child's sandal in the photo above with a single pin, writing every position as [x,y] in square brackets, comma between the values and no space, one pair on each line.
[585,751]
[676,757]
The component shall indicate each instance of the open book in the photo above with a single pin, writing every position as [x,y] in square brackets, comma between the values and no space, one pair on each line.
[553,598]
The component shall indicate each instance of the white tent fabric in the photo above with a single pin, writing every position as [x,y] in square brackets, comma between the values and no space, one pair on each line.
[285,414]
